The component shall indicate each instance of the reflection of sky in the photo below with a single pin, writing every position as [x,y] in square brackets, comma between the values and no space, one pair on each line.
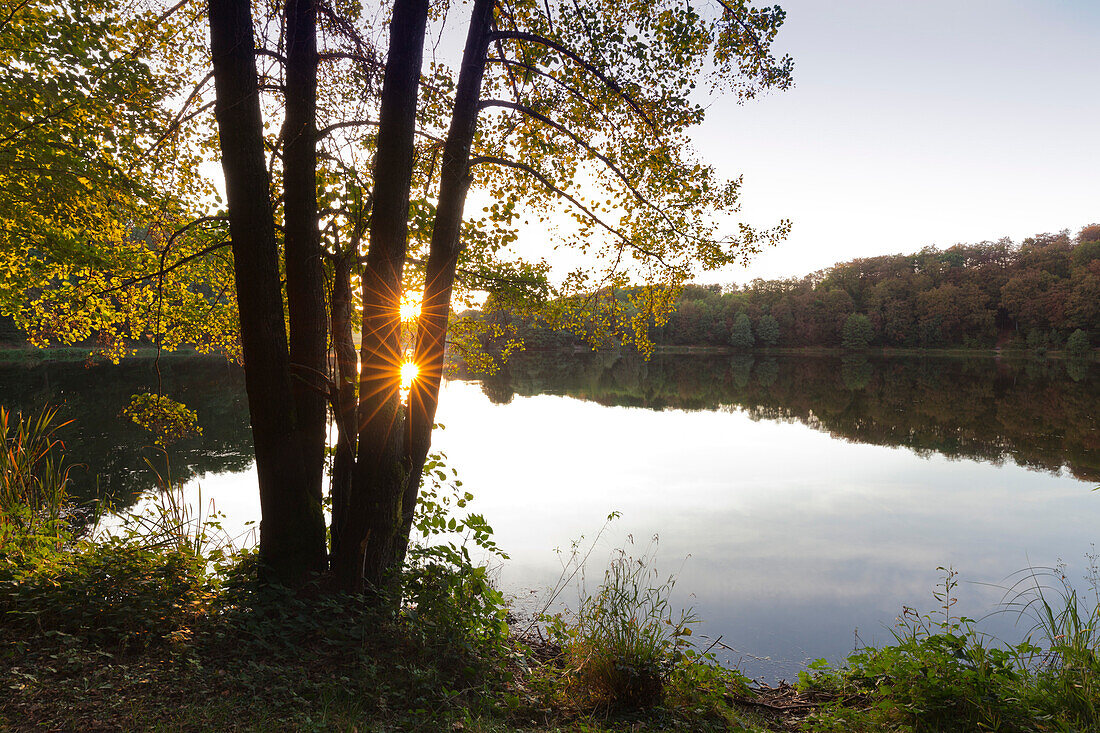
[796,539]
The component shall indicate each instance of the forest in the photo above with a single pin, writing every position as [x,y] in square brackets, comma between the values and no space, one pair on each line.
[1034,294]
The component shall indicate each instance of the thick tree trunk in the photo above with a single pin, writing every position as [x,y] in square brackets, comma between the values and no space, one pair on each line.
[305,290]
[374,513]
[292,526]
[443,259]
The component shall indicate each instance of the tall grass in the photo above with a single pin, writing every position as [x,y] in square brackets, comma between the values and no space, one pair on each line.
[625,638]
[171,521]
[1067,657]
[33,475]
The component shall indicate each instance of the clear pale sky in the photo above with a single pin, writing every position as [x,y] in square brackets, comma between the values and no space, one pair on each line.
[916,123]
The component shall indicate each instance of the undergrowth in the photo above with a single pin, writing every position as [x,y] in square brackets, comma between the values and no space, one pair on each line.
[942,674]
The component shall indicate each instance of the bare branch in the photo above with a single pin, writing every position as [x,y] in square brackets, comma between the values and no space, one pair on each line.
[345,123]
[271,54]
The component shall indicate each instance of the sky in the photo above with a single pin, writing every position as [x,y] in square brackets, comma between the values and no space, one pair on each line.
[917,123]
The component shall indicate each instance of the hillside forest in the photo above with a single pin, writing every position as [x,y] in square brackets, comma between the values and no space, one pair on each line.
[1043,292]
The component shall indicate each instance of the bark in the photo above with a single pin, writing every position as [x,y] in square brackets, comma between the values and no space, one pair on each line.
[443,260]
[374,510]
[305,291]
[292,527]
[344,398]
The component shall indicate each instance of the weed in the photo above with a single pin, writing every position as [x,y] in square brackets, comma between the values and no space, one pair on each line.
[33,476]
[1067,625]
[625,639]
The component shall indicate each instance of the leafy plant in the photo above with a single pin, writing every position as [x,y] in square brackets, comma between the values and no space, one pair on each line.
[1068,626]
[449,599]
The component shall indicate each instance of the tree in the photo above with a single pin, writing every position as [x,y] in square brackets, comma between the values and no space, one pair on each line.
[347,166]
[767,330]
[741,335]
[545,95]
[1078,343]
[858,332]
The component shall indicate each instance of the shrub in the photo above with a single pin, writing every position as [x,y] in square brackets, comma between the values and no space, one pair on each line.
[114,593]
[1038,340]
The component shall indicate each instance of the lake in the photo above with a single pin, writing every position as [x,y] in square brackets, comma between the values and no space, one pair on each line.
[801,501]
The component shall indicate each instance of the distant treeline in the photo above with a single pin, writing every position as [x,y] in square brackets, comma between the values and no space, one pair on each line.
[1036,294]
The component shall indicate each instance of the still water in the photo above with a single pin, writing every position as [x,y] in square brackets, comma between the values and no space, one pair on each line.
[802,502]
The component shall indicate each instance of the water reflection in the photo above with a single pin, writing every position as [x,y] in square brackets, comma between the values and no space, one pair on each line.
[1039,414]
[113,455]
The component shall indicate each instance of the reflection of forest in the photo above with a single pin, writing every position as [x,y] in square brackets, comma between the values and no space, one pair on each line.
[109,450]
[1041,414]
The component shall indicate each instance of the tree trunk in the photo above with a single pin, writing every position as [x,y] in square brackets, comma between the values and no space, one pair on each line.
[292,527]
[443,259]
[305,290]
[343,465]
[374,504]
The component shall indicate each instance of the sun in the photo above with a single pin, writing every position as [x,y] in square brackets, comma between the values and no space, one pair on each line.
[410,307]
[409,371]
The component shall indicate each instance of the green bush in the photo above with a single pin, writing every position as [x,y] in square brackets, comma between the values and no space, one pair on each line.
[113,593]
[943,675]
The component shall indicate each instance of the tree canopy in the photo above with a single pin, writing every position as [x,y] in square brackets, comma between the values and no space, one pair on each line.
[97,175]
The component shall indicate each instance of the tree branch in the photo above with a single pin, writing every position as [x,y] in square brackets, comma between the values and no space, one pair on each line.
[494,160]
[576,93]
[162,271]
[745,27]
[586,65]
[611,165]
